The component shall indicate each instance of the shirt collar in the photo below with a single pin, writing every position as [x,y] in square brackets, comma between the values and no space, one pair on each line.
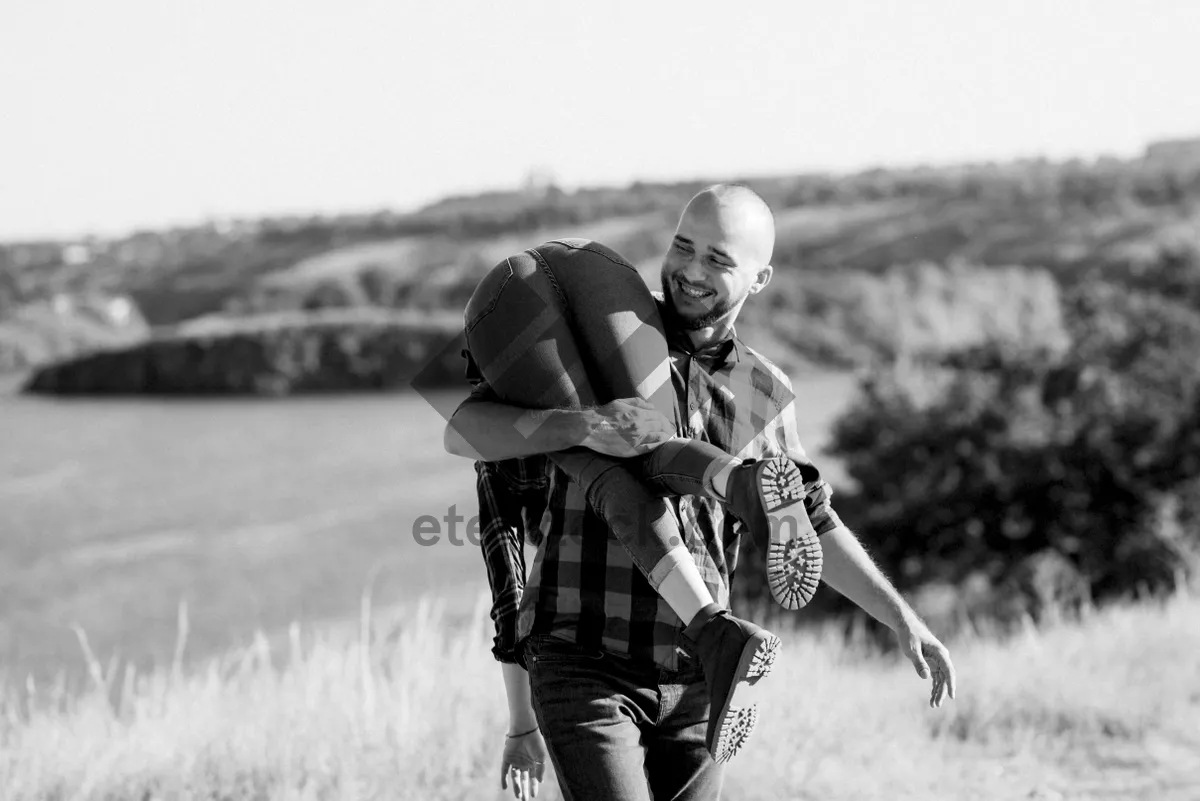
[714,355]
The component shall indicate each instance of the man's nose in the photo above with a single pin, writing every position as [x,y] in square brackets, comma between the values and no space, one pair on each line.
[693,270]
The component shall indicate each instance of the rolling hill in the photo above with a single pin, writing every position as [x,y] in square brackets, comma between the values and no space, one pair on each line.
[839,237]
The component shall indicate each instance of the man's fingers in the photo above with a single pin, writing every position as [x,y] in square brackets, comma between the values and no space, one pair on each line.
[651,441]
[948,669]
[656,425]
[504,775]
[647,406]
[919,664]
[918,659]
[943,673]
[637,403]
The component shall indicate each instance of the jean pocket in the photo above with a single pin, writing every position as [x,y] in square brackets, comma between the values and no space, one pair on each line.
[487,294]
[545,652]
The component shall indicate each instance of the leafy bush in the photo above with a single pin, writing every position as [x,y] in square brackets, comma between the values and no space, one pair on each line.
[849,318]
[978,464]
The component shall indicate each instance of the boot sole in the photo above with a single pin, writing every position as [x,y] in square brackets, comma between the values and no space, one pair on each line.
[794,559]
[737,721]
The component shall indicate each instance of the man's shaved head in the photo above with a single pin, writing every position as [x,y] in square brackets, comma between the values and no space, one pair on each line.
[740,206]
[720,254]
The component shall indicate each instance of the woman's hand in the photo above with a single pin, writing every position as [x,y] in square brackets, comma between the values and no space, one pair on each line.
[524,762]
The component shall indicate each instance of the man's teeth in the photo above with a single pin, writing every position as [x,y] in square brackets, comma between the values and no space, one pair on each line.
[695,293]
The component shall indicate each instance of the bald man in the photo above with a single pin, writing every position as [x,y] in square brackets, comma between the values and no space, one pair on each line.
[615,696]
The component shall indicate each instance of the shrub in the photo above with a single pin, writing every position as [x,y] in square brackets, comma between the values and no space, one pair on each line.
[972,464]
[848,317]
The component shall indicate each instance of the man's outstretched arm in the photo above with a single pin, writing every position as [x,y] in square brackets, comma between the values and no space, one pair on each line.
[487,430]
[849,570]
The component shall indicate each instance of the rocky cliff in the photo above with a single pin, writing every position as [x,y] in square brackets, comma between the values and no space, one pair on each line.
[279,354]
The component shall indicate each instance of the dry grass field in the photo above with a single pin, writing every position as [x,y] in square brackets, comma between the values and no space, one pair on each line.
[404,706]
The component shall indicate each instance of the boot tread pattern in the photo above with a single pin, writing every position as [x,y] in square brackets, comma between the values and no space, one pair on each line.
[794,571]
[793,567]
[764,658]
[735,730]
[781,483]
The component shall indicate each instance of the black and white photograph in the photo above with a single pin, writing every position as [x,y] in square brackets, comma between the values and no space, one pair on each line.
[637,401]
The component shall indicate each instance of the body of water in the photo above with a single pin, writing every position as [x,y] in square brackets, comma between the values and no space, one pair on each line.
[257,513]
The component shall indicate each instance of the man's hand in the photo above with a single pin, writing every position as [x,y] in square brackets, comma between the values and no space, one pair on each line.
[524,762]
[928,656]
[850,571]
[626,427]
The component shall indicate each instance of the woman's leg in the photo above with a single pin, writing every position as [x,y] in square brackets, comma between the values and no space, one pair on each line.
[519,334]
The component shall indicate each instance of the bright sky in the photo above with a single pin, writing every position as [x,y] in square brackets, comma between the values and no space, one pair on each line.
[127,113]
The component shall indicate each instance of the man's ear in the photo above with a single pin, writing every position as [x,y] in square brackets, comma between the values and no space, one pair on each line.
[763,278]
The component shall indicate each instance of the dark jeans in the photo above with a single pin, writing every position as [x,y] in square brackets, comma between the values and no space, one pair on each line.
[570,324]
[621,729]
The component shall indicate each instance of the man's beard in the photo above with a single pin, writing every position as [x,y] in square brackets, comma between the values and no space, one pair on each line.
[709,319]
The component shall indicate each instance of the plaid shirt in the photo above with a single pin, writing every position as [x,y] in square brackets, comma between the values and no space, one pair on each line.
[583,586]
[512,500]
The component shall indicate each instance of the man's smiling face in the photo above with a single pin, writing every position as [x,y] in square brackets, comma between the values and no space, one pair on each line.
[718,257]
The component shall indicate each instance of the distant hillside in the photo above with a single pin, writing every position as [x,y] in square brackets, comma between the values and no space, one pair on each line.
[42,331]
[839,235]
[270,354]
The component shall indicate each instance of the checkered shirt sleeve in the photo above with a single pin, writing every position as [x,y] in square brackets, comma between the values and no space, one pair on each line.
[512,500]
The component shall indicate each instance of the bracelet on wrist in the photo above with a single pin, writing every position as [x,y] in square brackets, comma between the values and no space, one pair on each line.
[522,734]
